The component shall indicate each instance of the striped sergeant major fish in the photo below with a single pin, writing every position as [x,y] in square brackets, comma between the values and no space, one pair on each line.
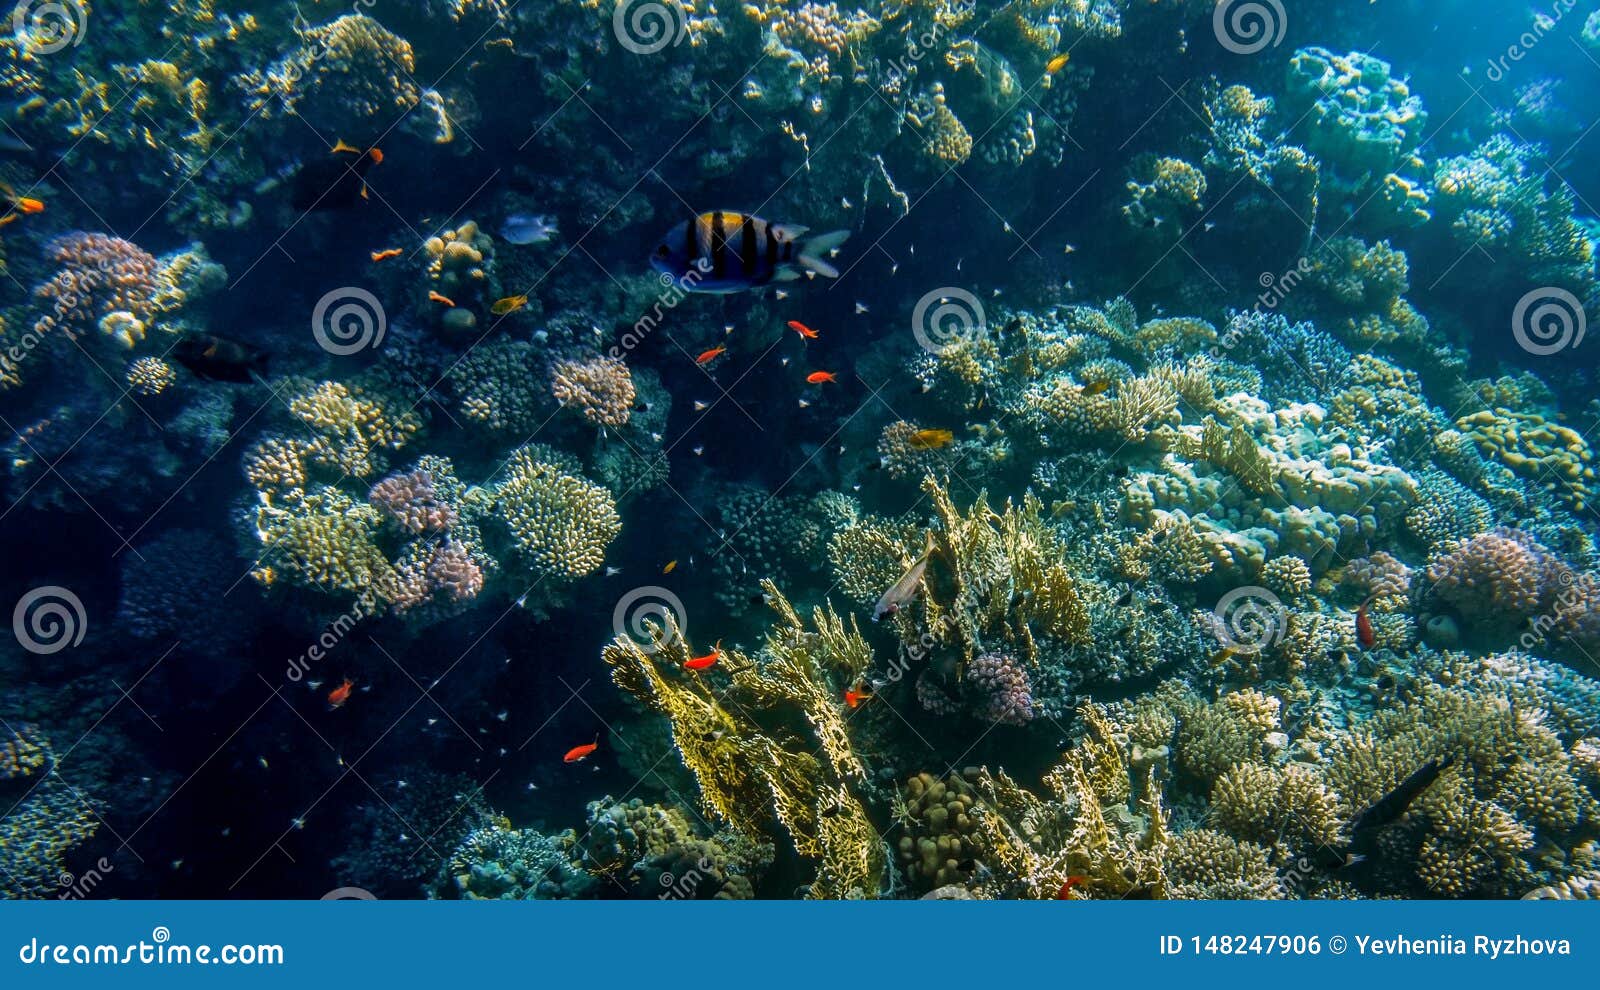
[723,252]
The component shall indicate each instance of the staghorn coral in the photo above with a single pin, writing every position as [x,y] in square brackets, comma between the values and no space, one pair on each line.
[599,388]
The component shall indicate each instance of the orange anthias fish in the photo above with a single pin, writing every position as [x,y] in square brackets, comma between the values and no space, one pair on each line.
[445,300]
[930,439]
[853,697]
[1057,64]
[672,565]
[341,694]
[1065,893]
[818,377]
[705,662]
[803,330]
[1364,634]
[706,357]
[20,205]
[510,304]
[578,754]
[386,254]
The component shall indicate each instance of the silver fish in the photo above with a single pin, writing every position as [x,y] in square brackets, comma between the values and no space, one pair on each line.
[904,590]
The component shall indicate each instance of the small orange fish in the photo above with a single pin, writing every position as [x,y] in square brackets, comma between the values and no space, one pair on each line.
[1364,634]
[705,662]
[930,439]
[510,304]
[341,148]
[386,254]
[1066,889]
[803,330]
[818,377]
[341,694]
[578,754]
[706,357]
[1057,64]
[20,205]
[27,204]
[672,565]
[1096,387]
[853,697]
[446,300]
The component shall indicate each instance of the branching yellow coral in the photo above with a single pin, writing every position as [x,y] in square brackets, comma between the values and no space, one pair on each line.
[560,522]
[355,431]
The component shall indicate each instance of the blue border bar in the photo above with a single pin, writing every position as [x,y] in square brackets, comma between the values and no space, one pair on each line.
[803,945]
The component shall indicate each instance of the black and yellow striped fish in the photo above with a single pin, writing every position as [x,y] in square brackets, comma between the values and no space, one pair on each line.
[727,252]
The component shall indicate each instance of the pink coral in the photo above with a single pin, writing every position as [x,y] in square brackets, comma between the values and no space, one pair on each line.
[1004,691]
[101,275]
[599,387]
[452,570]
[1498,578]
[1379,575]
[413,501]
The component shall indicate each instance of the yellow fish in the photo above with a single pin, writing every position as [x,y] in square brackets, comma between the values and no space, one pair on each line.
[930,439]
[510,304]
[672,565]
[1058,63]
[1095,388]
